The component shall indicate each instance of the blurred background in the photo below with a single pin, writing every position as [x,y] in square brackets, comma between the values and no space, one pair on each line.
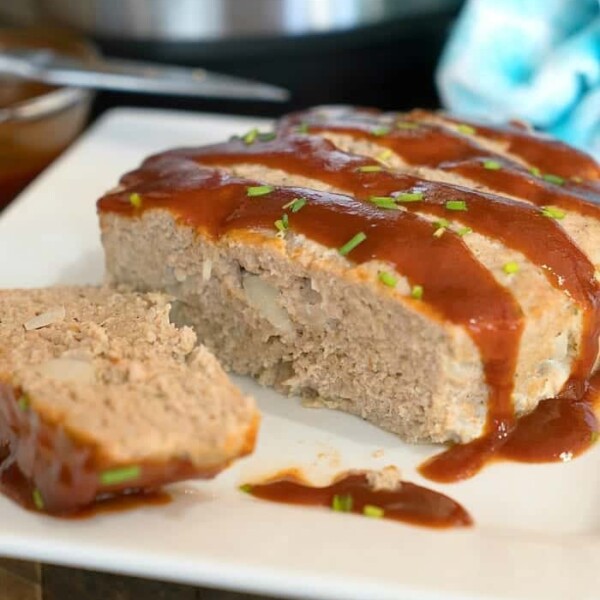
[370,52]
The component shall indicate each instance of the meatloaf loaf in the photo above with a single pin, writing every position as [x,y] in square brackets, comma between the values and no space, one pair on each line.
[431,276]
[100,394]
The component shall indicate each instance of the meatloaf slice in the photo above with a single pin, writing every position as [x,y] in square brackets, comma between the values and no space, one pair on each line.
[100,395]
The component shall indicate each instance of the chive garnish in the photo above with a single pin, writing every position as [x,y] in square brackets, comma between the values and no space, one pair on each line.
[553,212]
[466,129]
[375,512]
[441,226]
[416,292]
[511,267]
[342,503]
[555,179]
[121,475]
[23,402]
[250,137]
[409,197]
[295,205]
[387,279]
[464,231]
[302,128]
[135,200]
[359,238]
[492,165]
[456,205]
[38,500]
[259,190]
[407,125]
[282,225]
[246,488]
[384,202]
[380,131]
[267,137]
[535,172]
[370,169]
[385,155]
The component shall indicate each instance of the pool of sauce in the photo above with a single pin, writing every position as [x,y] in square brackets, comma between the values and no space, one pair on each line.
[457,288]
[408,503]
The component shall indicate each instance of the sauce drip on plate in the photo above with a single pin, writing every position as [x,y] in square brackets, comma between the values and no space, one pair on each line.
[354,493]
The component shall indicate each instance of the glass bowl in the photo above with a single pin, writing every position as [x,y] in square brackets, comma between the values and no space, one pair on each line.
[37,122]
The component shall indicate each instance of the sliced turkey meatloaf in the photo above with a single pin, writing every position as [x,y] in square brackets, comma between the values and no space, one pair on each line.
[100,394]
[435,303]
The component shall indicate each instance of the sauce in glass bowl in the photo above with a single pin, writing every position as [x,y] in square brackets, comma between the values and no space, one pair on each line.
[37,121]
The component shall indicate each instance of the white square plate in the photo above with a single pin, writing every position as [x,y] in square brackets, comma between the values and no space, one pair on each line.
[537,526]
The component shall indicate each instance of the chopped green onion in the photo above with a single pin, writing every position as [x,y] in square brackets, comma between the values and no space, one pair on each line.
[511,267]
[250,137]
[557,180]
[492,165]
[23,402]
[466,129]
[370,169]
[456,205]
[409,197]
[38,500]
[387,279]
[380,131]
[385,155]
[267,137]
[136,200]
[441,226]
[246,488]
[295,205]
[121,475]
[384,202]
[464,231]
[282,225]
[535,172]
[302,128]
[553,212]
[594,436]
[259,190]
[407,125]
[342,503]
[359,238]
[375,512]
[416,292]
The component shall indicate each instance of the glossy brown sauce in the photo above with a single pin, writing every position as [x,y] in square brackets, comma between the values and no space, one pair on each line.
[455,288]
[438,147]
[124,503]
[408,503]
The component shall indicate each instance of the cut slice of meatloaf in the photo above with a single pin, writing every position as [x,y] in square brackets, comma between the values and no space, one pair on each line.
[427,306]
[100,394]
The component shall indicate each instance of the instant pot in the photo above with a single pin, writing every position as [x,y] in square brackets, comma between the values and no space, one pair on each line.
[379,52]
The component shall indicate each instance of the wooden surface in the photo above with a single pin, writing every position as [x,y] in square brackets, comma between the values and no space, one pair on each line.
[32,581]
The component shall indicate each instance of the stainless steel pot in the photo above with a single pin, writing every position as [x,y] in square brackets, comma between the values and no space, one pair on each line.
[202,20]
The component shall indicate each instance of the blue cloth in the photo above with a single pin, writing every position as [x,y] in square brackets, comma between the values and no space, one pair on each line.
[536,60]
